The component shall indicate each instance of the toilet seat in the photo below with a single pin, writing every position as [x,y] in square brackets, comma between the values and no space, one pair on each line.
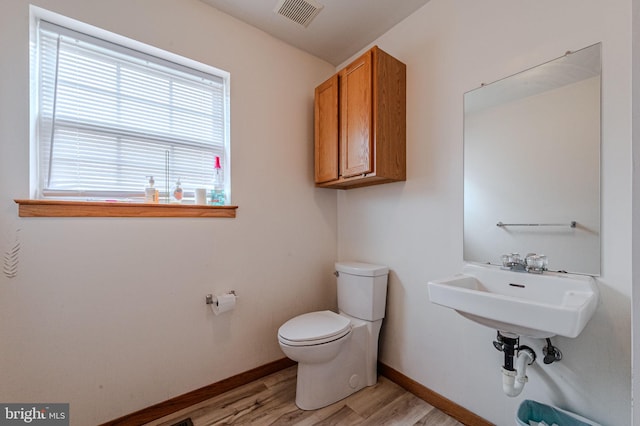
[314,328]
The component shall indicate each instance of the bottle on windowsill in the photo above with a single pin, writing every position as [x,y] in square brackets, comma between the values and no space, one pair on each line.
[217,193]
[151,193]
[177,192]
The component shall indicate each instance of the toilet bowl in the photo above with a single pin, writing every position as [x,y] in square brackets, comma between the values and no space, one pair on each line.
[337,353]
[314,338]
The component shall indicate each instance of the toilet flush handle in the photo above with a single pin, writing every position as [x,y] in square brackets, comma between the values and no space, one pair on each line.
[336,273]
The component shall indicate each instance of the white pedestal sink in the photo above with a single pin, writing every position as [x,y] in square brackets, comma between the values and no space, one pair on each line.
[533,305]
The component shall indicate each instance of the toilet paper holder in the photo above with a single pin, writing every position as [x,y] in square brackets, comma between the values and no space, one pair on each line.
[210,300]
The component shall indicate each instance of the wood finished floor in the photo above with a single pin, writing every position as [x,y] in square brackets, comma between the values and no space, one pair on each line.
[271,401]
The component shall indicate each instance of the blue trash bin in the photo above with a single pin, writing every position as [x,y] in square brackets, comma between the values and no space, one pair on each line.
[532,411]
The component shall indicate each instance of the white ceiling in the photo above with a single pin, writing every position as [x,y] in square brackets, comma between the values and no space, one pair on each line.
[341,29]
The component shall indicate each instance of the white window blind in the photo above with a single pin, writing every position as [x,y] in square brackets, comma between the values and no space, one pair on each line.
[108,116]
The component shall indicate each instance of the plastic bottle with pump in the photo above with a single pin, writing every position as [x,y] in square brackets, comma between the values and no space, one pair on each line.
[151,193]
[217,193]
[177,192]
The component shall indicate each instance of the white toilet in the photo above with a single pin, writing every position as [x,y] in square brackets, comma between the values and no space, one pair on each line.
[337,355]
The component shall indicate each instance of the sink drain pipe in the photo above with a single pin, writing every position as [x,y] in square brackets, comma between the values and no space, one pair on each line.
[514,379]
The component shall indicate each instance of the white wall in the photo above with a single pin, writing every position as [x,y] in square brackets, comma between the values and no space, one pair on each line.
[635,387]
[109,314]
[415,227]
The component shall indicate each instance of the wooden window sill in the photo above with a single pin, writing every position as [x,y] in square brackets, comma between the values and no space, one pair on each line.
[57,208]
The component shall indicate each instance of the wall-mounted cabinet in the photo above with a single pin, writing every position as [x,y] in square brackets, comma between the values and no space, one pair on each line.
[360,123]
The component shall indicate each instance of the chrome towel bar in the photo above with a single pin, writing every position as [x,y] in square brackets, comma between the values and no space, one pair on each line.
[572,224]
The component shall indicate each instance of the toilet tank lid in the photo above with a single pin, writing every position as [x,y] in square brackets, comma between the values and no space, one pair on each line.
[362,269]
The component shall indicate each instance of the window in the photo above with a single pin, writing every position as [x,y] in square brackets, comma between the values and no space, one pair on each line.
[107,116]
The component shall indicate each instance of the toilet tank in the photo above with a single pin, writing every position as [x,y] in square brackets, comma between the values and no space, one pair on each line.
[362,289]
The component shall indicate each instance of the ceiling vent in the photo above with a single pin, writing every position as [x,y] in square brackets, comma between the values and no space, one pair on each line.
[299,11]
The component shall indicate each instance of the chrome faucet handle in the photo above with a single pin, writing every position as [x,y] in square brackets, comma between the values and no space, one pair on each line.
[512,259]
[536,263]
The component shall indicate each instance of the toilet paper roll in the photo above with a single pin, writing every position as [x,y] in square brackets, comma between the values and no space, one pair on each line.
[223,303]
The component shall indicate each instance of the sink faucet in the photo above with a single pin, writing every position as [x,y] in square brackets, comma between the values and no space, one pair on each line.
[533,263]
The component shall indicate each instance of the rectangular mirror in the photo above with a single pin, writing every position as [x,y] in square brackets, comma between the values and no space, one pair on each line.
[532,165]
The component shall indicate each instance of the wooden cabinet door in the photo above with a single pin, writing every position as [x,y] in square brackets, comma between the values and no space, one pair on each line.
[356,138]
[327,130]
